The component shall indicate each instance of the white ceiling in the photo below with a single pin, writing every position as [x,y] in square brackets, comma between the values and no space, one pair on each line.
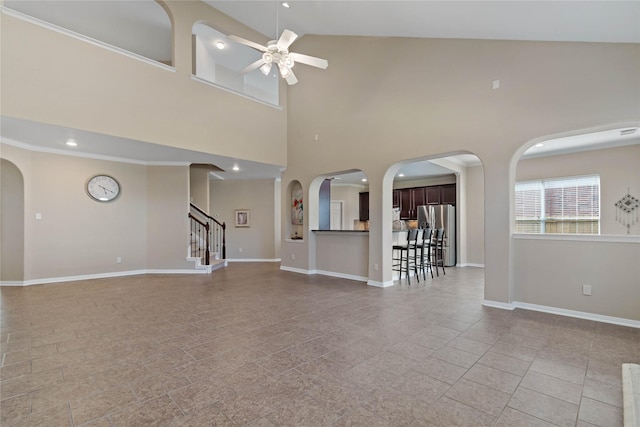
[587,21]
[590,21]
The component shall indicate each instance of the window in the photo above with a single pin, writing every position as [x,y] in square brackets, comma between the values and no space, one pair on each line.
[559,205]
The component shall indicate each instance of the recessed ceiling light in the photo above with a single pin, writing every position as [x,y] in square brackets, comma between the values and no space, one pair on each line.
[236,168]
[539,144]
[400,175]
[220,44]
[72,143]
[285,4]
[364,179]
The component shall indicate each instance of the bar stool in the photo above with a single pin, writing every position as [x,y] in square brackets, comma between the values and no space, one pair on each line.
[406,255]
[425,252]
[438,250]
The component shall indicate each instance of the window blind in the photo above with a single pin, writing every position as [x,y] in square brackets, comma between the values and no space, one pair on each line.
[558,205]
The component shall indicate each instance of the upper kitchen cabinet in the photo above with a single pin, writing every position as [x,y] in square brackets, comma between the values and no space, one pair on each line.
[410,198]
[441,194]
[396,199]
[433,195]
[448,196]
[364,206]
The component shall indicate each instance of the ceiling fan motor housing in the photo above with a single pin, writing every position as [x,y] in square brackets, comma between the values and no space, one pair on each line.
[279,56]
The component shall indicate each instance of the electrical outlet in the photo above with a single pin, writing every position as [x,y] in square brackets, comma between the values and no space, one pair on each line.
[293,256]
[376,267]
[586,289]
[239,249]
[119,260]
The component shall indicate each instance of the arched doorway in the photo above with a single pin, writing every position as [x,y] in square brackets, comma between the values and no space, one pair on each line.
[11,223]
[462,172]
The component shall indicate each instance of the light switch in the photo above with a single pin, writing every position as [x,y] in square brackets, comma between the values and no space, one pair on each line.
[38,215]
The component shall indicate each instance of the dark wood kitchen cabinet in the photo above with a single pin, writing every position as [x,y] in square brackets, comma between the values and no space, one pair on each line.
[410,199]
[448,194]
[434,195]
[364,206]
[396,199]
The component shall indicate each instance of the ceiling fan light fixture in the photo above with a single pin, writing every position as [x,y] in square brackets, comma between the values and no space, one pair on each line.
[288,61]
[266,69]
[284,71]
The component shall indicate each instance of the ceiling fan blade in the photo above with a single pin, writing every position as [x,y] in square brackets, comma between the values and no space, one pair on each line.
[291,78]
[309,60]
[253,66]
[286,39]
[247,43]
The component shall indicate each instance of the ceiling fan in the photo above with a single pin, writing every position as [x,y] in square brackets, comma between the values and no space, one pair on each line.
[277,53]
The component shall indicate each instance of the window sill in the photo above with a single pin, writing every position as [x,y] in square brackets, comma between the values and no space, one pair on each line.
[611,238]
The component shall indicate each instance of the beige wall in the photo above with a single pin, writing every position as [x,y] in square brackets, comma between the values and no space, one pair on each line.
[114,94]
[146,226]
[440,102]
[257,242]
[167,222]
[199,186]
[11,223]
[618,168]
[475,216]
[77,235]
[546,275]
[354,254]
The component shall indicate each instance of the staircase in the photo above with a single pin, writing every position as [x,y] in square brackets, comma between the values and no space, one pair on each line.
[207,240]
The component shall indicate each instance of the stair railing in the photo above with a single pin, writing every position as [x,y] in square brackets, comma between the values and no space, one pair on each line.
[209,234]
[200,239]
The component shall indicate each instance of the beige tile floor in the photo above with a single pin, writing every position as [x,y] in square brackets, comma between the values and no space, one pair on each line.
[253,345]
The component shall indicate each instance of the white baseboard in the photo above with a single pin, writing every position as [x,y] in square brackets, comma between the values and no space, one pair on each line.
[46,280]
[340,275]
[498,304]
[253,260]
[61,279]
[564,312]
[468,264]
[160,271]
[294,269]
[380,284]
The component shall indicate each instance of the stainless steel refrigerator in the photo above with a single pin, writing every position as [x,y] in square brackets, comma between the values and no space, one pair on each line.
[441,216]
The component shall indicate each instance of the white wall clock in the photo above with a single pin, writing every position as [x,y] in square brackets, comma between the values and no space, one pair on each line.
[103,188]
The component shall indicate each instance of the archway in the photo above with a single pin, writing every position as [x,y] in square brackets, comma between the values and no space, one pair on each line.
[462,172]
[590,261]
[11,223]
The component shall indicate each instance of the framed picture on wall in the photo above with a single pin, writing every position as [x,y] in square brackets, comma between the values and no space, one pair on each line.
[243,218]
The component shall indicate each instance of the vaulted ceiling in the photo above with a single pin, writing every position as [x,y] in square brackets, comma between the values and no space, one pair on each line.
[146,23]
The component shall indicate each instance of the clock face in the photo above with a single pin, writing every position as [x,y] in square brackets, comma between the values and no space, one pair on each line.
[103,188]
